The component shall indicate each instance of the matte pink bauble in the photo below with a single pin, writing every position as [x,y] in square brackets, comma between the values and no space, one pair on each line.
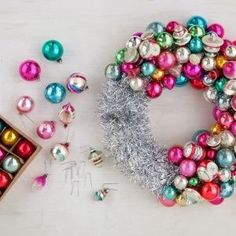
[187,167]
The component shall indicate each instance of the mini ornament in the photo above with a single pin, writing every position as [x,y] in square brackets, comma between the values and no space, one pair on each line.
[101,194]
[5,180]
[53,50]
[11,164]
[60,151]
[67,114]
[30,70]
[25,104]
[96,157]
[39,182]
[24,149]
[55,93]
[46,129]
[76,83]
[9,137]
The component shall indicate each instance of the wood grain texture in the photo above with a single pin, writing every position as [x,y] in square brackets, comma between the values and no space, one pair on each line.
[91,32]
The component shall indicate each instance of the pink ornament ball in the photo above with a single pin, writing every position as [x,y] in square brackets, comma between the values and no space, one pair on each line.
[25,104]
[217,201]
[46,129]
[225,120]
[166,60]
[168,81]
[233,128]
[175,154]
[170,27]
[225,45]
[191,70]
[216,112]
[127,67]
[187,168]
[229,70]
[153,89]
[211,154]
[166,202]
[202,138]
[217,28]
[30,70]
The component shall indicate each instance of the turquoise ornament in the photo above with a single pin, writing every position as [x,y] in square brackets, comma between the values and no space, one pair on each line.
[155,27]
[181,81]
[53,50]
[220,84]
[148,68]
[226,189]
[225,158]
[195,45]
[11,164]
[169,192]
[197,20]
[112,71]
[2,125]
[55,93]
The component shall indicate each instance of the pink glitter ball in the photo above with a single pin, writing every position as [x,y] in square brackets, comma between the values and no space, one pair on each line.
[166,202]
[30,70]
[153,89]
[187,167]
[229,70]
[166,60]
[170,27]
[175,154]
[217,28]
[191,70]
[168,81]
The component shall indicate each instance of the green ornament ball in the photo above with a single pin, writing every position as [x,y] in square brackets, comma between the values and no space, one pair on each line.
[53,50]
[120,55]
[197,31]
[220,84]
[193,182]
[165,40]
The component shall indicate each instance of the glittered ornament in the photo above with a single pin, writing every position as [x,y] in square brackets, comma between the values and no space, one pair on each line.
[11,164]
[55,93]
[9,137]
[76,83]
[25,104]
[46,129]
[67,114]
[53,50]
[30,70]
[60,151]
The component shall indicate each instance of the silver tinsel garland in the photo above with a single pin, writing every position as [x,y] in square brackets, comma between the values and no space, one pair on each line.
[128,137]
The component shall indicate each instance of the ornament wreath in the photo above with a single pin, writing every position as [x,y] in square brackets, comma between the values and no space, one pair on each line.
[164,58]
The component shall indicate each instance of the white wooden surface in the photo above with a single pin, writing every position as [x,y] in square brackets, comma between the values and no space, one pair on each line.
[91,32]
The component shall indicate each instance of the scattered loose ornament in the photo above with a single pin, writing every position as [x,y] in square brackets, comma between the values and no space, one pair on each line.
[60,151]
[25,104]
[24,149]
[30,70]
[5,180]
[39,182]
[9,137]
[55,93]
[67,114]
[76,83]
[53,50]
[11,164]
[101,194]
[46,129]
[96,157]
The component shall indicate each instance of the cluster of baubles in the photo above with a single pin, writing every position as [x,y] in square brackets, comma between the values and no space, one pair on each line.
[173,55]
[15,150]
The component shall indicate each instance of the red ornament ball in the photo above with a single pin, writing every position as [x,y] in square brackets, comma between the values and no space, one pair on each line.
[153,89]
[24,149]
[197,83]
[5,180]
[210,191]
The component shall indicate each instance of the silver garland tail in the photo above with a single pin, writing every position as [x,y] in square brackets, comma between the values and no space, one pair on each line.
[128,138]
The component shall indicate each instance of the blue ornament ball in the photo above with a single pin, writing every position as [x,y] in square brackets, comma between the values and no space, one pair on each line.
[226,189]
[169,192]
[156,27]
[225,158]
[181,81]
[197,20]
[148,68]
[55,93]
[195,45]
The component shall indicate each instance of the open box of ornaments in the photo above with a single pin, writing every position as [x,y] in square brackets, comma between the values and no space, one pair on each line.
[16,152]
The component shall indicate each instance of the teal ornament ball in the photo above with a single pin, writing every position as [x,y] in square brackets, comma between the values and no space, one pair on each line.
[155,27]
[2,125]
[181,81]
[225,158]
[55,93]
[148,68]
[53,50]
[197,20]
[11,164]
[169,192]
[112,71]
[226,189]
[195,45]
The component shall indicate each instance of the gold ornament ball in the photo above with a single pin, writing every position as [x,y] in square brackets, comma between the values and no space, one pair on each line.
[216,129]
[220,61]
[180,200]
[9,137]
[158,74]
